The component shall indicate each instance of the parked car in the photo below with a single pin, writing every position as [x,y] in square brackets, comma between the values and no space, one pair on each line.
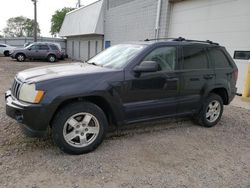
[124,84]
[5,49]
[38,50]
[63,54]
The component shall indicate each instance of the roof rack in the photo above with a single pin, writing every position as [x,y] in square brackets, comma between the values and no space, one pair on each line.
[159,39]
[181,39]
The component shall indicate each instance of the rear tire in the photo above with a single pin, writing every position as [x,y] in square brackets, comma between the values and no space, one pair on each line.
[51,58]
[6,53]
[79,128]
[20,57]
[211,111]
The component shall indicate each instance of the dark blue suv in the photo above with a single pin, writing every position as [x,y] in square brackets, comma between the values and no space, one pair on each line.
[127,83]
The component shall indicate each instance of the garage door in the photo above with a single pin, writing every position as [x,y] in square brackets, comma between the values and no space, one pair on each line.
[223,21]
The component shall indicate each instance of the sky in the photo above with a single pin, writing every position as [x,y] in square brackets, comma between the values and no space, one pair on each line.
[45,10]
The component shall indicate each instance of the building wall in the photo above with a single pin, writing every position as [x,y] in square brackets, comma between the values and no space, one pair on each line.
[84,47]
[223,21]
[128,20]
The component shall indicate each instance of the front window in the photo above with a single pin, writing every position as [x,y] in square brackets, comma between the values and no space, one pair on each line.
[34,47]
[118,56]
[164,56]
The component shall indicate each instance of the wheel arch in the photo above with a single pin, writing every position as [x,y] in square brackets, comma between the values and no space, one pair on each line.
[20,53]
[223,93]
[97,100]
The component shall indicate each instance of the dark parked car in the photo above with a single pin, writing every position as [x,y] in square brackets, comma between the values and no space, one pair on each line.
[124,84]
[38,51]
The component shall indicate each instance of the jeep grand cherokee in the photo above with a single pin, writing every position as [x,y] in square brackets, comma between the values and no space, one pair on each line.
[124,84]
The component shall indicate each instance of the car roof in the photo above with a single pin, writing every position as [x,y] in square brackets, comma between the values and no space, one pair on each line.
[176,41]
[49,43]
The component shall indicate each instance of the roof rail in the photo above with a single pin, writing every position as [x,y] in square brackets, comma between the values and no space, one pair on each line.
[180,39]
[159,39]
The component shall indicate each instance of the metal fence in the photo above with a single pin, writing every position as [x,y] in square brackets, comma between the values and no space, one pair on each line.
[20,41]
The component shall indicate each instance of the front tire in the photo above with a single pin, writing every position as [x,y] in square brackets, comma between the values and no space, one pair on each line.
[211,111]
[20,57]
[79,128]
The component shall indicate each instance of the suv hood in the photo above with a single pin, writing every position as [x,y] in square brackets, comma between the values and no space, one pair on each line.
[57,71]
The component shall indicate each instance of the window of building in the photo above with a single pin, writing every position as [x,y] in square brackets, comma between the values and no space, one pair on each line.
[107,44]
[164,56]
[194,58]
[243,55]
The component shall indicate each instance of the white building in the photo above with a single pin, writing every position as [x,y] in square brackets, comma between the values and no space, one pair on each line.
[108,22]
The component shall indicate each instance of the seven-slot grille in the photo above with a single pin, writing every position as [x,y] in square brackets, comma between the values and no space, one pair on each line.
[16,88]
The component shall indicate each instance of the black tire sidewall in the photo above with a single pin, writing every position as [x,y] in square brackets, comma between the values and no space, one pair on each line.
[204,121]
[6,53]
[67,112]
[19,55]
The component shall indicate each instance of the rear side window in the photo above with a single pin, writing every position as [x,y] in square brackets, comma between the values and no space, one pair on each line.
[219,58]
[54,47]
[43,47]
[2,46]
[194,58]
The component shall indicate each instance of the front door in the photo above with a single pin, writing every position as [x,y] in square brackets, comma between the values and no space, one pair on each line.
[33,52]
[153,94]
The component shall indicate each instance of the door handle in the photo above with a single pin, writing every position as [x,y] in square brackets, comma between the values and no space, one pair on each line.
[171,79]
[194,79]
[208,76]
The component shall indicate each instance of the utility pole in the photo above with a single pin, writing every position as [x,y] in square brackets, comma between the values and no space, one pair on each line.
[78,5]
[35,19]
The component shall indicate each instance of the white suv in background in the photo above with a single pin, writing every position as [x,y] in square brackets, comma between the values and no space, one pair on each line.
[6,49]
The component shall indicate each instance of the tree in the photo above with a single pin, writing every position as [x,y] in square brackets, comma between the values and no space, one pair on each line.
[57,20]
[20,27]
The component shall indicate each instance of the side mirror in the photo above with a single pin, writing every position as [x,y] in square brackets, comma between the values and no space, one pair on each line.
[147,66]
[29,49]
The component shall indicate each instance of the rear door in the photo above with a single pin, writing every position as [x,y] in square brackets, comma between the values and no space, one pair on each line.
[224,69]
[43,51]
[197,75]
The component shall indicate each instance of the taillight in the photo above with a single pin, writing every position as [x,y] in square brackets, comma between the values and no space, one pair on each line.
[236,74]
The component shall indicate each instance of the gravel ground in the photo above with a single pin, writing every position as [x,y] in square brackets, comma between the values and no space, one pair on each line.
[170,153]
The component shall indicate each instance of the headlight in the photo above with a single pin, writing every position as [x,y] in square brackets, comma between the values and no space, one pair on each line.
[28,93]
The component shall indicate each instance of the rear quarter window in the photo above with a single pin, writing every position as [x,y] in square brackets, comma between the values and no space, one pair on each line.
[54,47]
[219,58]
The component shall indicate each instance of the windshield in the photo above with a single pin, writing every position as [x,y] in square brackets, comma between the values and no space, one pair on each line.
[117,56]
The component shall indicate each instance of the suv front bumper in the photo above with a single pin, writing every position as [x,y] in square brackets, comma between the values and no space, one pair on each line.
[33,119]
